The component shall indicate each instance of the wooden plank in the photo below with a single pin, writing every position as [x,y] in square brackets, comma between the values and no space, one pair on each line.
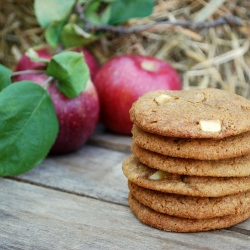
[38,218]
[91,171]
[106,139]
[244,225]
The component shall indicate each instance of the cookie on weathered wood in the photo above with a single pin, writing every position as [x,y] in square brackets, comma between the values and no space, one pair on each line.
[158,180]
[177,224]
[190,206]
[204,113]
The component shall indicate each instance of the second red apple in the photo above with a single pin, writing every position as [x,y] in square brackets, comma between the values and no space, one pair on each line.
[123,79]
[44,52]
[77,116]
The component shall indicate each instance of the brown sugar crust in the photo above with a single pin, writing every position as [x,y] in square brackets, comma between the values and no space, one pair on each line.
[233,167]
[181,115]
[190,206]
[139,173]
[176,224]
[200,149]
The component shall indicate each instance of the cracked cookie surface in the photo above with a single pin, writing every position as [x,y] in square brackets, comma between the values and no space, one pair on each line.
[206,113]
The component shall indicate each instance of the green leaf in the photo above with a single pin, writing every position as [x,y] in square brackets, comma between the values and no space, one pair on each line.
[91,12]
[28,127]
[79,31]
[53,33]
[109,1]
[48,11]
[106,15]
[71,71]
[71,36]
[33,55]
[123,10]
[5,74]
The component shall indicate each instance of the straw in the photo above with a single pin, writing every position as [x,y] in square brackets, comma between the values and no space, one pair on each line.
[210,57]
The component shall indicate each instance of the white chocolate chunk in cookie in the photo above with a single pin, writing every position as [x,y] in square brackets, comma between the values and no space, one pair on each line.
[162,99]
[210,125]
[158,175]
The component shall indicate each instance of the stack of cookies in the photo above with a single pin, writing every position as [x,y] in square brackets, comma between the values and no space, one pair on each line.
[190,167]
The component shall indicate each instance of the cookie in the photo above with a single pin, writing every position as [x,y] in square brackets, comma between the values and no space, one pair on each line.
[200,149]
[233,167]
[190,206]
[150,178]
[206,113]
[176,224]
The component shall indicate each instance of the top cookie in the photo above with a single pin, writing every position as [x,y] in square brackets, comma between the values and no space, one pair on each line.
[206,113]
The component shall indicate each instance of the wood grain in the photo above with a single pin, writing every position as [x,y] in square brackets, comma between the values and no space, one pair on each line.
[79,201]
[39,218]
[106,139]
[91,171]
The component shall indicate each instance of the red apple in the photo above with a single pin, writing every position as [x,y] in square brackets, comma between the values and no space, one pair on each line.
[122,80]
[77,116]
[90,60]
[44,52]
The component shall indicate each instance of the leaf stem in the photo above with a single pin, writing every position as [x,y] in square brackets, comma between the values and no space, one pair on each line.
[30,71]
[45,84]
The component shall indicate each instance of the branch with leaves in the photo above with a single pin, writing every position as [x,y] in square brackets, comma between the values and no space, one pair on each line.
[69,26]
[230,20]
[80,22]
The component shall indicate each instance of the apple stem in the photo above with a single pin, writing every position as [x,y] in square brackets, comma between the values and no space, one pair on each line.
[27,72]
[45,84]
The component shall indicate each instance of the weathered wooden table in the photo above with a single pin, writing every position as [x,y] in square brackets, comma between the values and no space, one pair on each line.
[79,201]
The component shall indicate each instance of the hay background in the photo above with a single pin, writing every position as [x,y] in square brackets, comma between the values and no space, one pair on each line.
[213,57]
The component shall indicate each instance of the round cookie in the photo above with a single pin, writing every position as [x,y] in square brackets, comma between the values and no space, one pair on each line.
[205,113]
[176,224]
[233,167]
[142,175]
[200,149]
[189,206]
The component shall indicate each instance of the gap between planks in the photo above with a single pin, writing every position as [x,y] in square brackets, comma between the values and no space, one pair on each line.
[231,229]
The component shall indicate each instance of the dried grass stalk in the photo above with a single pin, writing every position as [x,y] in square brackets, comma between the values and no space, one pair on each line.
[214,57]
